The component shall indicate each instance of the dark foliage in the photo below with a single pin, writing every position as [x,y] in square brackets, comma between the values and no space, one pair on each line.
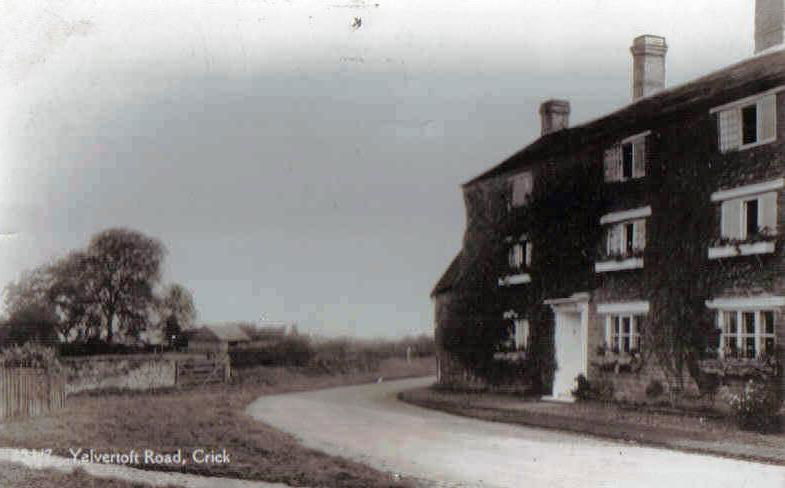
[560,220]
[31,323]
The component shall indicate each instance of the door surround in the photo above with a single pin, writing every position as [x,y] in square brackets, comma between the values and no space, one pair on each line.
[563,308]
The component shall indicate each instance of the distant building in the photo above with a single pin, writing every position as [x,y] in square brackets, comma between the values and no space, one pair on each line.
[270,330]
[216,339]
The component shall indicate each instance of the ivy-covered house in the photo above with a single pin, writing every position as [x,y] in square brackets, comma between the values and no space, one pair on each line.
[642,248]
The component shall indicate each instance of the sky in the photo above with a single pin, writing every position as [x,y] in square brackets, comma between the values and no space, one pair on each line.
[301,160]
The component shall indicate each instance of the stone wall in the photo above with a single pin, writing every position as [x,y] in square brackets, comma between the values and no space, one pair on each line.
[126,372]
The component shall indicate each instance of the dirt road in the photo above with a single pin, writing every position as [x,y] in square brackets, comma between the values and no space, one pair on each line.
[367,423]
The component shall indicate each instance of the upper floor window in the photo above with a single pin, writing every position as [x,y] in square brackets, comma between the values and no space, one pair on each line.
[626,231]
[749,211]
[747,123]
[522,185]
[625,240]
[626,160]
[519,255]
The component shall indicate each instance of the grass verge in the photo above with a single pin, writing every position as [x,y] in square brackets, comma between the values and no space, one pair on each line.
[22,477]
[682,432]
[212,419]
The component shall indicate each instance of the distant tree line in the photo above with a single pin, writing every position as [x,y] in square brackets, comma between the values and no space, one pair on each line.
[329,354]
[104,296]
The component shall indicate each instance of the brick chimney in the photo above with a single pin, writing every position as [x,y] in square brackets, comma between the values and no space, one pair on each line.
[769,23]
[648,65]
[555,115]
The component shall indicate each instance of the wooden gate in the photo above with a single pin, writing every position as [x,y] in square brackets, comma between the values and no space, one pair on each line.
[29,392]
[190,372]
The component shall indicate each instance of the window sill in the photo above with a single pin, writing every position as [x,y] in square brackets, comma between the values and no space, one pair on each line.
[518,279]
[741,250]
[626,180]
[512,356]
[751,145]
[629,263]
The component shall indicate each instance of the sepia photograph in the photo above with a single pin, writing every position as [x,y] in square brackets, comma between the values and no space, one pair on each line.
[392,244]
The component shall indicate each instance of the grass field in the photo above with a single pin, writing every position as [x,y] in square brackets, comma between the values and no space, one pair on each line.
[210,418]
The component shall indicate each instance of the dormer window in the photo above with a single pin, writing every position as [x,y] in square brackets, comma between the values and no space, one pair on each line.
[626,160]
[747,123]
[522,185]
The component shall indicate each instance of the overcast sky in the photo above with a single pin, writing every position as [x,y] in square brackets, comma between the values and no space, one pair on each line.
[294,165]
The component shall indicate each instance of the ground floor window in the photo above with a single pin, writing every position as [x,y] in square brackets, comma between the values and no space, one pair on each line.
[520,334]
[746,334]
[517,332]
[623,333]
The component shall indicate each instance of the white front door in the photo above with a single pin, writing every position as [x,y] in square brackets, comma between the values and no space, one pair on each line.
[569,342]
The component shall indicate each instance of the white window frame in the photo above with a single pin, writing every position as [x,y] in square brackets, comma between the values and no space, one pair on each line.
[744,232]
[764,193]
[740,335]
[615,339]
[628,234]
[521,331]
[735,109]
[517,200]
[618,148]
[519,255]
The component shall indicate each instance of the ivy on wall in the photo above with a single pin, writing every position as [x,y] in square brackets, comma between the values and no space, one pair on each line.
[561,220]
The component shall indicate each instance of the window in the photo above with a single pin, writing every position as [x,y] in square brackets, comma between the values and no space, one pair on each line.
[522,185]
[627,157]
[626,238]
[520,334]
[623,333]
[743,218]
[747,124]
[750,215]
[519,255]
[746,334]
[626,160]
[517,333]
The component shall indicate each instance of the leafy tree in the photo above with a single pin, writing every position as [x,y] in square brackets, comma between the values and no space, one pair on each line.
[177,302]
[122,267]
[30,290]
[175,307]
[32,323]
[69,292]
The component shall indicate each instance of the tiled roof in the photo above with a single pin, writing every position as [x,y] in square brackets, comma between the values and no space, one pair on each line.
[220,333]
[450,277]
[759,73]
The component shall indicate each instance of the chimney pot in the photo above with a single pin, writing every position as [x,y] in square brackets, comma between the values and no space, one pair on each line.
[648,65]
[769,24]
[555,115]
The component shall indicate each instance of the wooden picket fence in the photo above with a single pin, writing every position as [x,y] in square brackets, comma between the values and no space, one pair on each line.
[191,372]
[29,392]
